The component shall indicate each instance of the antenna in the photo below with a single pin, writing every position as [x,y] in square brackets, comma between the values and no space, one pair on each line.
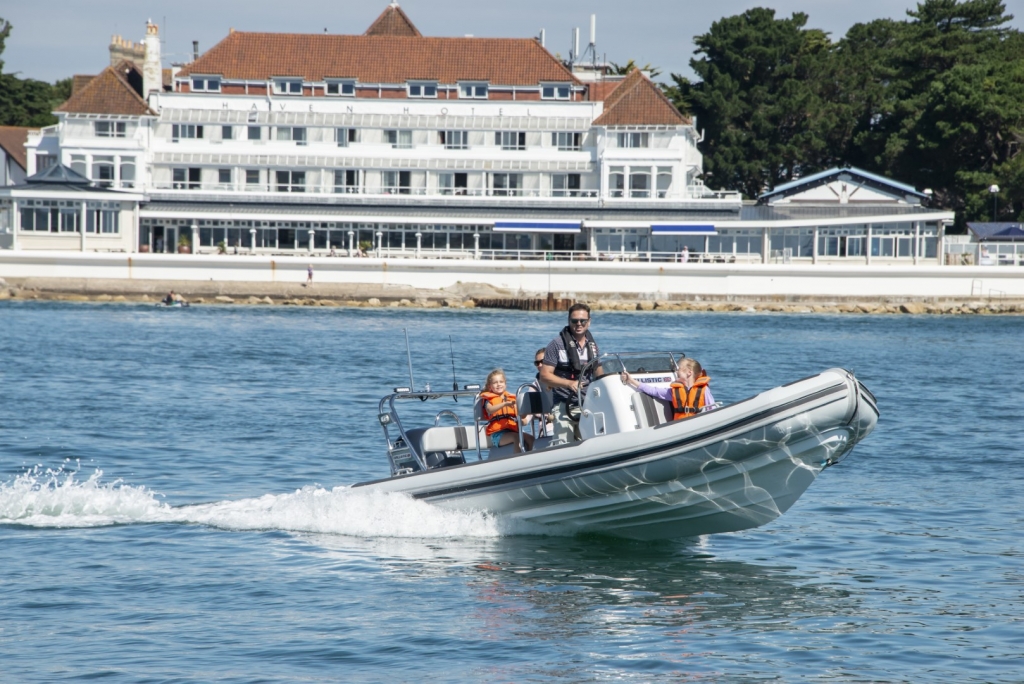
[455,382]
[408,355]
[541,38]
[575,45]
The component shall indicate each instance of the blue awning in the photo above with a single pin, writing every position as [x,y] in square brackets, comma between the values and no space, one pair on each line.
[527,226]
[683,229]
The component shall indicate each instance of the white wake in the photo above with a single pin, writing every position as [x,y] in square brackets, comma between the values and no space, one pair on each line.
[62,499]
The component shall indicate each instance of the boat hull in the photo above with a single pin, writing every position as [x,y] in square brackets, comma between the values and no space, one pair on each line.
[731,469]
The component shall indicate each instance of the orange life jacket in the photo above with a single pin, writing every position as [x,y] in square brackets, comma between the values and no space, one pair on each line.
[504,418]
[687,403]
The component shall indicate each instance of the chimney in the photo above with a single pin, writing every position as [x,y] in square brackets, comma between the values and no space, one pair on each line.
[152,72]
[195,50]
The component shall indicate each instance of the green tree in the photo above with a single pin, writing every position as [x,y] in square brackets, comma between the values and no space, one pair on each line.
[758,100]
[26,102]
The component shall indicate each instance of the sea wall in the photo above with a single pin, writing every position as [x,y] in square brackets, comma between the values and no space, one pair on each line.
[639,280]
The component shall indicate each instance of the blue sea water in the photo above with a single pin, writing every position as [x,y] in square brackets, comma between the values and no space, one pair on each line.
[175,507]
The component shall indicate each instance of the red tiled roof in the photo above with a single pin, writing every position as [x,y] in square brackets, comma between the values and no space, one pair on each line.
[600,90]
[380,59]
[13,139]
[639,102]
[110,93]
[393,22]
[79,81]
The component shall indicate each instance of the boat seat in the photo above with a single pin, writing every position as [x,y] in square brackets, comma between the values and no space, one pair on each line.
[650,411]
[448,438]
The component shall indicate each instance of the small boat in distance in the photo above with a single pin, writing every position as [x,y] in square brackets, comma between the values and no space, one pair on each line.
[634,473]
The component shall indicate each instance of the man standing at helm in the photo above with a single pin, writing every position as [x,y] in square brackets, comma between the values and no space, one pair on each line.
[562,371]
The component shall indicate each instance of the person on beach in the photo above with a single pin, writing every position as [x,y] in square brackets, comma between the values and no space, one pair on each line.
[499,407]
[562,371]
[684,255]
[690,394]
[309,275]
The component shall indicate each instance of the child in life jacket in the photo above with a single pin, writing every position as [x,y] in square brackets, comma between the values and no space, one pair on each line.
[499,409]
[689,394]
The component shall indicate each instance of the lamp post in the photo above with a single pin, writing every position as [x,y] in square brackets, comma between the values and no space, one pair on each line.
[994,190]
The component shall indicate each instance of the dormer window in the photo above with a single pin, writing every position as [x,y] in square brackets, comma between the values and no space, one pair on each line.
[205,84]
[473,91]
[555,91]
[424,90]
[288,86]
[341,88]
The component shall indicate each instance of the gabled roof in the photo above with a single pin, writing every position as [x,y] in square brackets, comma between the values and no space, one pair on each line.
[79,81]
[598,91]
[379,59]
[12,140]
[112,92]
[639,102]
[869,179]
[393,22]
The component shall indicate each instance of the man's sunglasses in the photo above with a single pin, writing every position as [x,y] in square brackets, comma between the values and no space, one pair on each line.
[579,321]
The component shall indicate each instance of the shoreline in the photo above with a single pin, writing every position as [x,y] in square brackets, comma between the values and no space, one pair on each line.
[476,295]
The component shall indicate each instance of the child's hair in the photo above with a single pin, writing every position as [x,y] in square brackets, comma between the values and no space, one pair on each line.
[493,374]
[692,364]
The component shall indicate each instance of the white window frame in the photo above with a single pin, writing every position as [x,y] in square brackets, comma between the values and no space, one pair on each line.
[555,91]
[296,180]
[343,88]
[510,140]
[633,139]
[400,139]
[110,129]
[567,141]
[512,184]
[346,136]
[204,84]
[287,86]
[344,187]
[421,90]
[473,91]
[186,132]
[295,134]
[454,140]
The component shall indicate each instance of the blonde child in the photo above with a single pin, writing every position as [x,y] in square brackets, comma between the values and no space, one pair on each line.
[499,409]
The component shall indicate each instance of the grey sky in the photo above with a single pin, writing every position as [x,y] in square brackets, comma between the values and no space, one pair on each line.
[54,39]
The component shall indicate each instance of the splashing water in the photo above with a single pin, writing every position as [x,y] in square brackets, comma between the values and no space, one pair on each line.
[58,498]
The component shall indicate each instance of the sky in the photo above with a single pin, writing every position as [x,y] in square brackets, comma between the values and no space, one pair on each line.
[54,39]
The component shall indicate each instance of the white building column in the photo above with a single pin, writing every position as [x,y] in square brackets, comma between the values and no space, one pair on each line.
[252,240]
[351,238]
[867,249]
[814,249]
[419,241]
[765,245]
[380,245]
[917,241]
[940,246]
[311,233]
[82,216]
[195,238]
[15,224]
[476,245]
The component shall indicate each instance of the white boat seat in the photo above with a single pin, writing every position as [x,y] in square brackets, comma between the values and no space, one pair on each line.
[449,438]
[650,411]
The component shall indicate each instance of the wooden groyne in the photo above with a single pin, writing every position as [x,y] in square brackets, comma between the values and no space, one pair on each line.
[549,303]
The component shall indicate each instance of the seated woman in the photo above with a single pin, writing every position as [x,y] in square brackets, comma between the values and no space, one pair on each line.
[690,394]
[499,409]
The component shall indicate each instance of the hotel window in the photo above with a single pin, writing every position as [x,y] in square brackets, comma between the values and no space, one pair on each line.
[565,185]
[346,181]
[424,90]
[399,139]
[510,140]
[290,181]
[103,170]
[566,141]
[127,172]
[205,84]
[227,133]
[617,181]
[634,139]
[507,184]
[102,217]
[454,140]
[397,182]
[555,92]
[664,181]
[110,129]
[452,183]
[78,165]
[50,216]
[252,178]
[45,161]
[255,133]
[473,91]
[640,183]
[288,87]
[186,179]
[224,176]
[296,134]
[186,132]
[341,88]
[345,136]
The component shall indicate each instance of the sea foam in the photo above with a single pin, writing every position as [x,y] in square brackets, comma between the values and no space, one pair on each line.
[61,498]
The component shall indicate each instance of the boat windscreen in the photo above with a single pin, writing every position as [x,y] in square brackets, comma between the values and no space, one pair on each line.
[638,363]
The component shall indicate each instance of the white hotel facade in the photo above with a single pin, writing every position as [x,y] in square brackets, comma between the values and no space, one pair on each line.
[405,145]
